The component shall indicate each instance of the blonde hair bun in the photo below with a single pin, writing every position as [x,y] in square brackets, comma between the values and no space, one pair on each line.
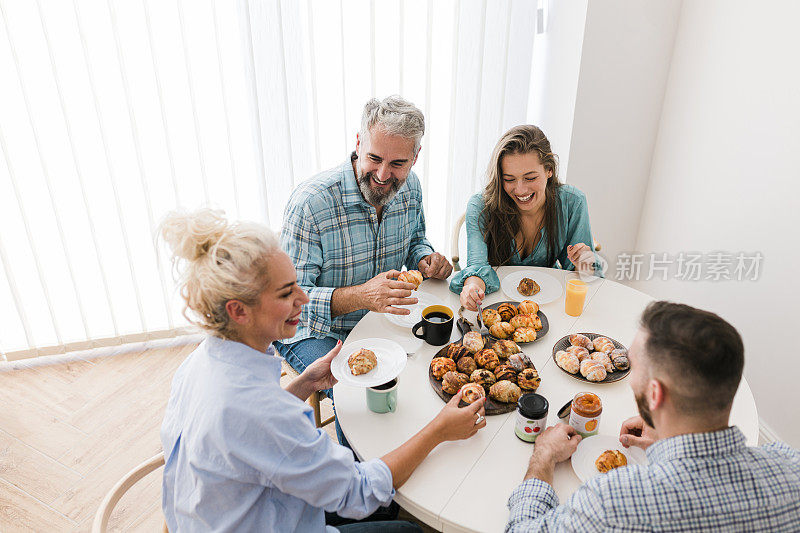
[191,235]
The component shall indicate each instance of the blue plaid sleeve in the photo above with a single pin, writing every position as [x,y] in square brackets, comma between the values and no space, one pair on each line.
[534,507]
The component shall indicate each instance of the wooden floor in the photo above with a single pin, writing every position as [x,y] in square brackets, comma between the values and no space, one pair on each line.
[69,431]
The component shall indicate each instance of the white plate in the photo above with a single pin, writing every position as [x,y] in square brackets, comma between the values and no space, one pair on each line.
[408,321]
[590,449]
[391,361]
[551,288]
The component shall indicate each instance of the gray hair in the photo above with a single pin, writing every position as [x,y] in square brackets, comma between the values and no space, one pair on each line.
[395,115]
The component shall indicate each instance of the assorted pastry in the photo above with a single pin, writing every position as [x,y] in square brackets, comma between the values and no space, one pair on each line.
[609,460]
[528,287]
[500,371]
[594,359]
[518,323]
[362,362]
[413,277]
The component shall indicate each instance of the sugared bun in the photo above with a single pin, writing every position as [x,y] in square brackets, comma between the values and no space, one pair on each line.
[472,392]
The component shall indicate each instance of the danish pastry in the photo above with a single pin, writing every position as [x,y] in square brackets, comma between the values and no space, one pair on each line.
[528,379]
[456,351]
[528,287]
[524,334]
[609,460]
[473,341]
[487,358]
[490,317]
[519,361]
[441,366]
[507,311]
[472,392]
[504,348]
[580,351]
[592,370]
[453,381]
[603,359]
[362,361]
[520,321]
[501,330]
[483,377]
[603,344]
[505,391]
[413,277]
[577,339]
[528,307]
[466,365]
[506,372]
[568,361]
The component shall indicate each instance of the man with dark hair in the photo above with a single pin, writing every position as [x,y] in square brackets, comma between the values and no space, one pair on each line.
[686,365]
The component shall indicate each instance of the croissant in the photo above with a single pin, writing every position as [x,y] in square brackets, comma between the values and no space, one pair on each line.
[603,359]
[592,370]
[472,392]
[579,351]
[453,381]
[528,379]
[621,362]
[441,366]
[524,334]
[487,359]
[522,321]
[609,460]
[505,348]
[506,311]
[413,277]
[466,365]
[581,340]
[362,361]
[501,330]
[603,344]
[483,377]
[473,341]
[505,391]
[506,372]
[568,361]
[489,317]
[528,287]
[528,307]
[456,352]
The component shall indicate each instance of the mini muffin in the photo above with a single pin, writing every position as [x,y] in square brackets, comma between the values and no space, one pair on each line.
[483,377]
[489,317]
[528,379]
[441,366]
[528,307]
[507,311]
[506,372]
[487,359]
[504,348]
[505,391]
[501,330]
[362,361]
[466,365]
[472,392]
[453,381]
[473,341]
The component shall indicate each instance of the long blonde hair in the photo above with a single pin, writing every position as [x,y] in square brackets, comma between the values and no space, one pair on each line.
[217,261]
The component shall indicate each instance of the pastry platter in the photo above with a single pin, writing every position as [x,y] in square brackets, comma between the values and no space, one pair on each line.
[611,376]
[539,334]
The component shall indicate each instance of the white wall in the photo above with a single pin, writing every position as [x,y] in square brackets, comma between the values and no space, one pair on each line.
[725,177]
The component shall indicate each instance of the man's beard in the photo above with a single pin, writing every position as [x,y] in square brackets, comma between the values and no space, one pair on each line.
[376,198]
[644,409]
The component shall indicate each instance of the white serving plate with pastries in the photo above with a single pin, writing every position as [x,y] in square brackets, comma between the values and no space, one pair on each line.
[391,361]
[550,287]
[590,448]
[407,321]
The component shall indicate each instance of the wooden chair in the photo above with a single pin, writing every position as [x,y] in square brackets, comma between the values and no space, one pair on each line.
[314,401]
[100,524]
[454,243]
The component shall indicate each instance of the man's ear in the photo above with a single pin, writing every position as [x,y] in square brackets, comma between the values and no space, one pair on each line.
[358,142]
[416,156]
[238,311]
[656,394]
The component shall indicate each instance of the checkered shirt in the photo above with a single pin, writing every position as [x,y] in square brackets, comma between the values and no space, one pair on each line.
[334,238]
[696,482]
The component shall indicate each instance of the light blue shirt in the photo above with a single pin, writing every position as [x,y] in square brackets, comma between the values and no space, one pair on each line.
[573,228]
[696,482]
[334,239]
[242,454]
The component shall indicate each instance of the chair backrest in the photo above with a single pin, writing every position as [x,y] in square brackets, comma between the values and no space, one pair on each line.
[455,241]
[113,497]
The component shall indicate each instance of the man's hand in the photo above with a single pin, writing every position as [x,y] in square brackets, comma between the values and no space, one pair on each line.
[456,423]
[582,257]
[557,443]
[635,432]
[384,291]
[436,266]
[473,293]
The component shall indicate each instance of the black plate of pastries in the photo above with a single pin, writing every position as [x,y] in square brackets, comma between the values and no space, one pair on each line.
[592,357]
[483,367]
[521,322]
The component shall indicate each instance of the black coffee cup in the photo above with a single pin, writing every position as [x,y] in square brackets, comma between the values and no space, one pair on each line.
[436,325]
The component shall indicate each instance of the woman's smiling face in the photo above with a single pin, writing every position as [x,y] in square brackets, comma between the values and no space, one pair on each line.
[524,180]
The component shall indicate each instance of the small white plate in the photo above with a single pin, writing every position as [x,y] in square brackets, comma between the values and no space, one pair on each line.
[550,287]
[408,321]
[590,449]
[391,361]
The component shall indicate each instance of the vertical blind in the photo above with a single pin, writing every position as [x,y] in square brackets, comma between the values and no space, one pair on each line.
[114,112]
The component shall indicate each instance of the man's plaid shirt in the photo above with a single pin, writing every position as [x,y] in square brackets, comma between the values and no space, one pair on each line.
[333,237]
[695,482]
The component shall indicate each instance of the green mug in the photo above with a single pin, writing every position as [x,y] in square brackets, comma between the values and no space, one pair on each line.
[382,398]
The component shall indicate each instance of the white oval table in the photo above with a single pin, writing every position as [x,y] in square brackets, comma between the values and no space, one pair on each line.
[464,485]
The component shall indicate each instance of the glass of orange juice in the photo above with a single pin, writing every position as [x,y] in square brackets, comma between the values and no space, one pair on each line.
[576,296]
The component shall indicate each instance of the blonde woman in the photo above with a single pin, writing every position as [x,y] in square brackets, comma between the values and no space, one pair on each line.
[242,453]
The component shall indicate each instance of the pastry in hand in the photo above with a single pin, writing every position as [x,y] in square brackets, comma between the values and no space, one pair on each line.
[592,370]
[603,344]
[568,361]
[528,287]
[456,352]
[413,277]
[528,379]
[466,365]
[524,334]
[528,307]
[505,391]
[621,362]
[577,339]
[489,317]
[580,351]
[609,460]
[487,359]
[504,348]
[506,311]
[506,372]
[501,330]
[453,381]
[519,361]
[362,361]
[603,359]
[473,341]
[483,377]
[441,366]
[472,392]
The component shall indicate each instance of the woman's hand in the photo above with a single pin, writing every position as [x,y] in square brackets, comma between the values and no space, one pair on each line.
[317,376]
[457,423]
[582,257]
[473,293]
[635,432]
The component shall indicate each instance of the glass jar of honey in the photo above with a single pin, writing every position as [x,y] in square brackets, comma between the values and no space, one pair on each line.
[585,413]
